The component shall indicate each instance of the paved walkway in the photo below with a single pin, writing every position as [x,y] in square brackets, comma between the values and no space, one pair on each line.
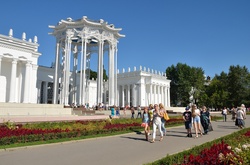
[126,149]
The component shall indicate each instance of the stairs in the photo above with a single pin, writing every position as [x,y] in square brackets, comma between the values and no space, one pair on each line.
[26,109]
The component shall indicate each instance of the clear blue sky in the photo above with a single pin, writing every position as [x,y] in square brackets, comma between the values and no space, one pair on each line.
[211,34]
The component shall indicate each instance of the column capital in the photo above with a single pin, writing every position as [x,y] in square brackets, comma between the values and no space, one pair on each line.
[14,61]
[28,63]
[34,67]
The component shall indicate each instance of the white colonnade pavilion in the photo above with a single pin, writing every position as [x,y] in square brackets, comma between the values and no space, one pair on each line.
[76,41]
[142,87]
[18,69]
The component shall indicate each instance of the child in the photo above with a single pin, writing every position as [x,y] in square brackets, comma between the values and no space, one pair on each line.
[146,122]
[187,117]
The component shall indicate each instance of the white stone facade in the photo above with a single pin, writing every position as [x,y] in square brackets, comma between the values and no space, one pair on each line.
[23,81]
[18,69]
[143,87]
[76,41]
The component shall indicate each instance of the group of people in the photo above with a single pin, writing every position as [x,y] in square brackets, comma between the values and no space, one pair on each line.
[154,114]
[199,119]
[239,115]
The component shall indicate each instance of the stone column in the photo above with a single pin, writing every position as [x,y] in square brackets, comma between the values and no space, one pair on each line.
[155,94]
[133,95]
[139,94]
[12,97]
[81,73]
[74,75]
[162,96]
[122,95]
[151,95]
[100,73]
[62,75]
[116,89]
[118,96]
[26,96]
[158,94]
[68,42]
[0,63]
[128,95]
[84,71]
[111,75]
[56,77]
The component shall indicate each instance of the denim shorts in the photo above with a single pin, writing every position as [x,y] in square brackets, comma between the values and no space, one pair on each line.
[197,119]
[188,125]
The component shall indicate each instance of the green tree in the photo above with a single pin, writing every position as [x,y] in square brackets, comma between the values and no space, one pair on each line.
[93,74]
[238,85]
[216,92]
[186,81]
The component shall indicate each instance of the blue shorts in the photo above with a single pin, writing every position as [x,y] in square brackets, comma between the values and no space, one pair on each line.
[197,119]
[188,125]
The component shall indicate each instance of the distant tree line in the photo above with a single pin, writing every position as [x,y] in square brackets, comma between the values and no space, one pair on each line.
[93,74]
[188,85]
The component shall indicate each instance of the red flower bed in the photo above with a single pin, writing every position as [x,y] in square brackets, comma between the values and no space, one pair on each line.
[218,154]
[6,132]
[247,134]
[22,135]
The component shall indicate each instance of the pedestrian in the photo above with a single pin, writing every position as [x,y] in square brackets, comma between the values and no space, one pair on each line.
[117,111]
[151,110]
[163,121]
[139,111]
[240,115]
[224,114]
[157,122]
[146,122]
[233,111]
[205,119]
[187,117]
[243,107]
[196,120]
[132,109]
[124,110]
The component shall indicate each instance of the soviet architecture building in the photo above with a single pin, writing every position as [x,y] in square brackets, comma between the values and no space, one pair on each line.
[67,81]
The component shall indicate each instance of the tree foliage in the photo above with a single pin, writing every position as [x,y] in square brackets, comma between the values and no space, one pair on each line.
[186,84]
[93,74]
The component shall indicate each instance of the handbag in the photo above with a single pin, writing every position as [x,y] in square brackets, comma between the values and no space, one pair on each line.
[210,127]
[165,116]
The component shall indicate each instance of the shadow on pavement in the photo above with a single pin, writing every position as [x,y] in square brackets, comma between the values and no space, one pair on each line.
[227,127]
[135,138]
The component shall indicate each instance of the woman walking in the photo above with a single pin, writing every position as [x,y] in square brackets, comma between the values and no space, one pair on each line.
[196,120]
[205,119]
[163,121]
[240,116]
[157,123]
[146,122]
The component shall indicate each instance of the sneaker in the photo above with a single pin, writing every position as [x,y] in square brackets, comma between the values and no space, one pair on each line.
[190,135]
